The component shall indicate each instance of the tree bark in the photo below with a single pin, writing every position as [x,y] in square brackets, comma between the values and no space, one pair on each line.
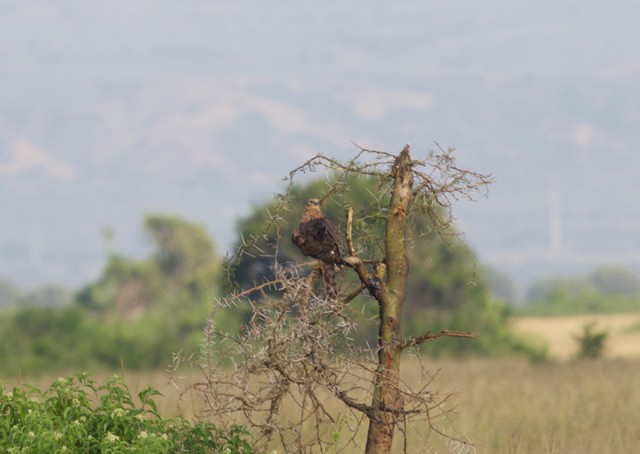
[386,396]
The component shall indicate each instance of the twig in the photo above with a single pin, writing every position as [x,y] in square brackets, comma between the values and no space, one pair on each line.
[414,341]
[347,299]
[258,287]
[350,247]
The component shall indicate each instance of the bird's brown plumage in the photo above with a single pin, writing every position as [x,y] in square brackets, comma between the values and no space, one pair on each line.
[317,237]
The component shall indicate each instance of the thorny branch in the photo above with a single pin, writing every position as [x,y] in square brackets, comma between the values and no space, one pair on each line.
[373,283]
[294,352]
[287,356]
[415,341]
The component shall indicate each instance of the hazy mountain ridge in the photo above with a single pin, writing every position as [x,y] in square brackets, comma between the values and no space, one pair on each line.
[108,112]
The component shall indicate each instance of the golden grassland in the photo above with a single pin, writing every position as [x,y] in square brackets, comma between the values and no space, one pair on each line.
[558,332]
[503,405]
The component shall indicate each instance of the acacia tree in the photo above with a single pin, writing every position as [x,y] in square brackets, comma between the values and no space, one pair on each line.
[286,353]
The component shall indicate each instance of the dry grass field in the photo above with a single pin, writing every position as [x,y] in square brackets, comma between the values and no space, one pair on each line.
[505,406]
[623,341]
[508,405]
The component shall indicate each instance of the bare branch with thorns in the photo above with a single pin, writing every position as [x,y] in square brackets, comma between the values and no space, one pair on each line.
[295,348]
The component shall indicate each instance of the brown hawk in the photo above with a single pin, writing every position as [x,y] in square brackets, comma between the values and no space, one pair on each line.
[318,237]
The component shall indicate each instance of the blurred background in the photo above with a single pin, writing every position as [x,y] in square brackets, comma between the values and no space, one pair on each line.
[192,112]
[111,111]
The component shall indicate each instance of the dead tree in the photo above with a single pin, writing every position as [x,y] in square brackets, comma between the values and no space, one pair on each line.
[295,353]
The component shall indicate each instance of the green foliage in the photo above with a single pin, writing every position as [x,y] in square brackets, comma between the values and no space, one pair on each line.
[76,415]
[36,338]
[615,280]
[138,312]
[605,290]
[42,340]
[182,273]
[445,289]
[591,343]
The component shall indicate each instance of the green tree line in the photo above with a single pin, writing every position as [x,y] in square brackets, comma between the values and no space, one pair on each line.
[139,312]
[606,289]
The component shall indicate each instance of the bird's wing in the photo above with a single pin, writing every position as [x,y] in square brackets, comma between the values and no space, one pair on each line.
[321,239]
[297,238]
[332,234]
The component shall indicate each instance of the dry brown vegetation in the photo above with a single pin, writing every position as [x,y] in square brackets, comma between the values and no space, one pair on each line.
[558,332]
[500,405]
[513,406]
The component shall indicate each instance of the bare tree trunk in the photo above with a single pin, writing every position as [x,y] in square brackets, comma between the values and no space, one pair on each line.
[293,334]
[386,397]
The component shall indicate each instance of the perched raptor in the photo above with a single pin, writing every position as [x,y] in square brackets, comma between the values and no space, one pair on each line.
[317,237]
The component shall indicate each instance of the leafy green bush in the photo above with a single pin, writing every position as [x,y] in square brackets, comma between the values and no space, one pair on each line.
[76,415]
[48,340]
[591,343]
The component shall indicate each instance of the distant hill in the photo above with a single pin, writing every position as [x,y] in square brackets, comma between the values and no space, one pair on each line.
[108,112]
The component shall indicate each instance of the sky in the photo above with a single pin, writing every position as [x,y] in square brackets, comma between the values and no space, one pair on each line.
[110,111]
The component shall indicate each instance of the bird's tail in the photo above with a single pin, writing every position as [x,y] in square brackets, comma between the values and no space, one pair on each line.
[330,284]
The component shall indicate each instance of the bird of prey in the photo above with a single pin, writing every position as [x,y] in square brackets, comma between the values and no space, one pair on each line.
[317,237]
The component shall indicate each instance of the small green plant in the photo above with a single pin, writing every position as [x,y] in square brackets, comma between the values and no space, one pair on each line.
[591,343]
[76,415]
